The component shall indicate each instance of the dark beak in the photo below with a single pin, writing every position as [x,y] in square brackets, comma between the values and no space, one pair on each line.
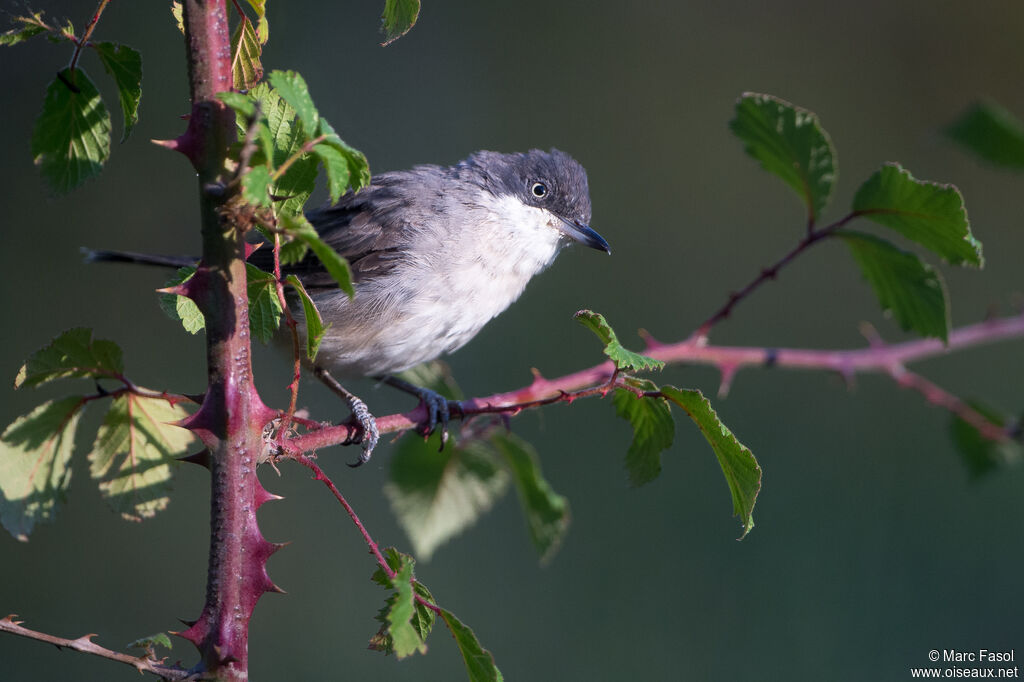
[578,232]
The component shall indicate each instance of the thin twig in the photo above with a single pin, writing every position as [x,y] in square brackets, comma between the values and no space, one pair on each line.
[84,644]
[84,40]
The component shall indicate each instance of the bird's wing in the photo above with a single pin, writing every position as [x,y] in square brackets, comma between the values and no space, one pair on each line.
[370,228]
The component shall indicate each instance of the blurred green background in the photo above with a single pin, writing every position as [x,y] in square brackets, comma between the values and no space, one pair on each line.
[872,546]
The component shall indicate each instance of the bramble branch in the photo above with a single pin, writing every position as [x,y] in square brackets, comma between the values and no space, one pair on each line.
[84,644]
[878,357]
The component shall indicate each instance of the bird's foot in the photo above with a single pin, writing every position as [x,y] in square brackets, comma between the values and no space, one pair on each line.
[439,408]
[369,435]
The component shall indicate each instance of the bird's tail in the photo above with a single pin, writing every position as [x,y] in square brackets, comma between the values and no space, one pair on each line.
[103,256]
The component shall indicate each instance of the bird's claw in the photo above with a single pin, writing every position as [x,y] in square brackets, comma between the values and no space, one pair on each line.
[439,410]
[368,425]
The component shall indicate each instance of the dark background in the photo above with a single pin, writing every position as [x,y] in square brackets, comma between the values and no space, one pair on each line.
[872,545]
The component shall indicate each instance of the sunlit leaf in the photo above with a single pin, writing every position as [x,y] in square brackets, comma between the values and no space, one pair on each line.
[73,354]
[35,452]
[134,454]
[246,50]
[437,495]
[182,308]
[314,322]
[71,138]
[623,358]
[333,262]
[265,308]
[420,617]
[479,661]
[125,65]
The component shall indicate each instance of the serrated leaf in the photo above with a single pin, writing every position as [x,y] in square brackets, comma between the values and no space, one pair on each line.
[421,618]
[405,640]
[125,66]
[337,170]
[73,354]
[71,137]
[336,265]
[789,142]
[653,431]
[928,213]
[182,308]
[399,16]
[358,168]
[31,26]
[908,289]
[983,455]
[35,451]
[479,661]
[152,641]
[437,495]
[262,27]
[293,251]
[314,322]
[178,12]
[134,454]
[246,50]
[742,472]
[256,186]
[546,512]
[623,359]
[292,89]
[265,309]
[991,132]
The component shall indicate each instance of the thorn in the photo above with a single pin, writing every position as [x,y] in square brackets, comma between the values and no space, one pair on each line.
[173,145]
[250,248]
[868,331]
[728,372]
[648,338]
[202,458]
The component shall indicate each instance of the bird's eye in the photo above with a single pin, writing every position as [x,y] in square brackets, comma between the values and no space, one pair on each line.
[539,189]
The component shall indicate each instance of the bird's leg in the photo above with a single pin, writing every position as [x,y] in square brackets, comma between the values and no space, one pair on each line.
[439,408]
[360,413]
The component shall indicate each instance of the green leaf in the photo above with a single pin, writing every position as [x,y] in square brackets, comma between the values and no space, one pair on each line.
[181,307]
[125,65]
[653,431]
[983,455]
[789,142]
[437,495]
[991,132]
[479,661]
[420,619]
[178,12]
[337,170]
[337,267]
[314,322]
[262,27]
[405,640]
[398,17]
[34,474]
[73,354]
[256,186]
[246,50]
[265,309]
[928,213]
[358,168]
[134,454]
[71,138]
[623,359]
[281,139]
[906,288]
[293,90]
[742,472]
[293,251]
[31,26]
[151,642]
[546,512]
[241,104]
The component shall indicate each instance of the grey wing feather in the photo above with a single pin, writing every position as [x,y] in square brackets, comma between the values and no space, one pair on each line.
[370,228]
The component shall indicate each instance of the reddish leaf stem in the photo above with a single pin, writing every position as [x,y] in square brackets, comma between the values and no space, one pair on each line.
[84,40]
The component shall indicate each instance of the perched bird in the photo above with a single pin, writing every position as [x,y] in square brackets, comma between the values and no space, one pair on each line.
[436,252]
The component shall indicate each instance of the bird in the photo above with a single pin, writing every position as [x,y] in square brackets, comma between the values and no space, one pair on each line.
[436,252]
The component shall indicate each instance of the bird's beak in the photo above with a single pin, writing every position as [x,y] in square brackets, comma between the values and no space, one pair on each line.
[578,232]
